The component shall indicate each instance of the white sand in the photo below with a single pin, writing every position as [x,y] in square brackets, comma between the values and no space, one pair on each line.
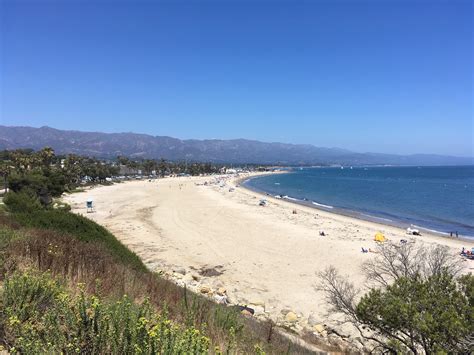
[267,254]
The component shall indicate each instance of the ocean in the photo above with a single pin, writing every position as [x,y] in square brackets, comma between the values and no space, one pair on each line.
[439,199]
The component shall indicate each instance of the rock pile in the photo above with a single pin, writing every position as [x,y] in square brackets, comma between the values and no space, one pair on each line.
[287,319]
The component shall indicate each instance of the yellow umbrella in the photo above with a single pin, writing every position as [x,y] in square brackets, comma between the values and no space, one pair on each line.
[379,237]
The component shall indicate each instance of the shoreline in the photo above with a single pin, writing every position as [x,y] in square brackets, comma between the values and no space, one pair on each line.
[358,215]
[215,236]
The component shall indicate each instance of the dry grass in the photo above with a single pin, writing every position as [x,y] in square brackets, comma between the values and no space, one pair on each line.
[94,265]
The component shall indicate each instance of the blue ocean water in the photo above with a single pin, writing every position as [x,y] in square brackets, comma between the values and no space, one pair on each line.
[435,198]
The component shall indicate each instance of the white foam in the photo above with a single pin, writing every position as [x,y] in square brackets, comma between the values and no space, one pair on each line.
[429,230]
[321,205]
[380,218]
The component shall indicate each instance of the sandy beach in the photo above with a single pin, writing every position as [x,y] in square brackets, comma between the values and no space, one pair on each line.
[210,236]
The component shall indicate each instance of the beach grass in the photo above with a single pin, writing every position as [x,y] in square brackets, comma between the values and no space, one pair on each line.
[49,254]
[81,228]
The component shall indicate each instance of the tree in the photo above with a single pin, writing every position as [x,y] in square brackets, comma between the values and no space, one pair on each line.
[416,302]
[22,161]
[148,166]
[163,167]
[123,160]
[73,170]
[45,157]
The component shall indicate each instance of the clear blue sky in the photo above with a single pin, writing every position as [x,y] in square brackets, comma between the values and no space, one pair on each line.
[380,76]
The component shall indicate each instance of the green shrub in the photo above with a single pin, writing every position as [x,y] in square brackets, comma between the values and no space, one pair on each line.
[41,318]
[437,313]
[26,296]
[23,201]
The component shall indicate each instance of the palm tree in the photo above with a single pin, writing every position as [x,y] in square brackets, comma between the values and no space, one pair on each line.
[45,156]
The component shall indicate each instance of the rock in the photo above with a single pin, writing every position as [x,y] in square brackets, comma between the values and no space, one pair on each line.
[285,311]
[312,320]
[291,317]
[258,309]
[188,278]
[195,277]
[205,289]
[319,328]
[181,271]
[258,303]
[221,291]
[258,306]
[177,276]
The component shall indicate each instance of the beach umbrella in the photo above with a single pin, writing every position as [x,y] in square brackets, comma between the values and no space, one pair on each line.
[379,237]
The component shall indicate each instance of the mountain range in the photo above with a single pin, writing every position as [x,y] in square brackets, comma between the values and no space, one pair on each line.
[235,151]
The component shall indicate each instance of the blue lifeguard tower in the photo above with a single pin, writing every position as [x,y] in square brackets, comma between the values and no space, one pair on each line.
[89,205]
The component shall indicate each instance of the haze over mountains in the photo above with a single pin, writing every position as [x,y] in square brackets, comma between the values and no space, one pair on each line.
[111,145]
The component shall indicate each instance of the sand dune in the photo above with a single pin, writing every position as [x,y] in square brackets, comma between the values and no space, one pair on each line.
[265,256]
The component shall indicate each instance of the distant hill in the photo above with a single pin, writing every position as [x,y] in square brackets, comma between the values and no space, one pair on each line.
[110,145]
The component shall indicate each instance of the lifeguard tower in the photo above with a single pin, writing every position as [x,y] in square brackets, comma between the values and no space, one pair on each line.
[89,205]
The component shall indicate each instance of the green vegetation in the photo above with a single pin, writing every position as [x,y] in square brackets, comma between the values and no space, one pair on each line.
[52,280]
[42,317]
[432,314]
[418,303]
[23,201]
[44,175]
[69,286]
[163,167]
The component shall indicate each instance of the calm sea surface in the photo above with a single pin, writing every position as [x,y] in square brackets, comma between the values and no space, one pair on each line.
[435,198]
